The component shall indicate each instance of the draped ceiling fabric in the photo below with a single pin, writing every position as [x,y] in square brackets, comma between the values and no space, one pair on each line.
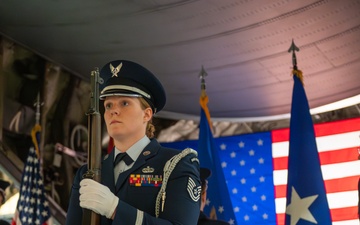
[242,44]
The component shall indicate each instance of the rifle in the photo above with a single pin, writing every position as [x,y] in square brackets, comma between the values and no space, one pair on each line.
[94,143]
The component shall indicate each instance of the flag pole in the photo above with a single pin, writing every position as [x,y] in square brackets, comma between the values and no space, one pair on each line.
[204,99]
[306,199]
[220,205]
[35,132]
[33,206]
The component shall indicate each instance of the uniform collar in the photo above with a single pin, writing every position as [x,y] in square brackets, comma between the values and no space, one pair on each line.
[135,150]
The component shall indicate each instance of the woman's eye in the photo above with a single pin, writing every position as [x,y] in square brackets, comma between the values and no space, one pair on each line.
[108,106]
[125,103]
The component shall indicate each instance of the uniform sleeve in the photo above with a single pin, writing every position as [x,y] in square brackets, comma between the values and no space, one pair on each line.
[74,212]
[182,202]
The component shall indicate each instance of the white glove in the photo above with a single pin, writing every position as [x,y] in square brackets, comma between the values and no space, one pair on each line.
[98,198]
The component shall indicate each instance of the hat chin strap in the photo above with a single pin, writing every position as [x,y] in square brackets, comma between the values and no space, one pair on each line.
[126,88]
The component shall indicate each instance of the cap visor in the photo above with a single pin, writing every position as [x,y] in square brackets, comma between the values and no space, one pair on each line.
[103,96]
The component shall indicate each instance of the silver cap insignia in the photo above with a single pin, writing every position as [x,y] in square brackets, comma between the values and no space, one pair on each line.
[116,70]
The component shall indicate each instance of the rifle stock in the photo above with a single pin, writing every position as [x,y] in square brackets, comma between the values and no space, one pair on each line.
[94,143]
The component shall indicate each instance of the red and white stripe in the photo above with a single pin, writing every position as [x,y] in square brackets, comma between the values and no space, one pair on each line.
[338,144]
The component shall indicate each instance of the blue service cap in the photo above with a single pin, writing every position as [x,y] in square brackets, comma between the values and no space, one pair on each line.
[205,173]
[126,78]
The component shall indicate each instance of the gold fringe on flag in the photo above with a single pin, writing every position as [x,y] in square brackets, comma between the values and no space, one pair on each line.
[204,100]
[299,74]
[36,129]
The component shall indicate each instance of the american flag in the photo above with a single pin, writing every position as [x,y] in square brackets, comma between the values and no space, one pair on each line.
[255,169]
[33,207]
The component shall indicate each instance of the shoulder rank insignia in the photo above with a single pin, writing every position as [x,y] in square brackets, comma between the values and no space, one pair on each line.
[139,180]
[193,190]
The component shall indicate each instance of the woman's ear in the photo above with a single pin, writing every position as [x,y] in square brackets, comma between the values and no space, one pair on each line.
[148,114]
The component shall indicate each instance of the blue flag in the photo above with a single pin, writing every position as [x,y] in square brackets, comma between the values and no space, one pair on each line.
[306,201]
[219,202]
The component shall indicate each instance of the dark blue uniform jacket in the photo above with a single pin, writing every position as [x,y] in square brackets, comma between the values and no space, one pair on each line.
[137,203]
[204,220]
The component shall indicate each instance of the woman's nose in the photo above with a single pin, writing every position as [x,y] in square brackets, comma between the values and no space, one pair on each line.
[114,111]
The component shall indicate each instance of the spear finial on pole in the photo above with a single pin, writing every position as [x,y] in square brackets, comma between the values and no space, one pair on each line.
[295,71]
[293,48]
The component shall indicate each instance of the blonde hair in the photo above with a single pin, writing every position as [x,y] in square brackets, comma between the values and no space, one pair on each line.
[150,128]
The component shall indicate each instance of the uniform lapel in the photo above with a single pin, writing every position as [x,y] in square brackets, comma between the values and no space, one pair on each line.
[149,151]
[107,172]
